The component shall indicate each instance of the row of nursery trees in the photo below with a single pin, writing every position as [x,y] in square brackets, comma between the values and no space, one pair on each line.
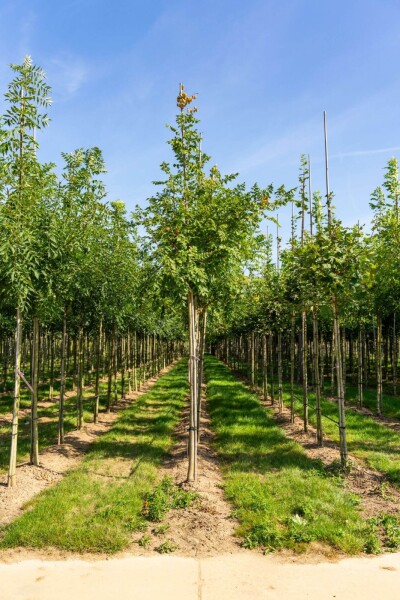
[84,295]
[78,295]
[323,314]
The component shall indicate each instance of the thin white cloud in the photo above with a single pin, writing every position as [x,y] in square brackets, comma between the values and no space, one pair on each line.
[365,152]
[68,75]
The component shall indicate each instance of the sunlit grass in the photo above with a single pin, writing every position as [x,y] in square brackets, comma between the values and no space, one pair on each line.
[97,506]
[281,498]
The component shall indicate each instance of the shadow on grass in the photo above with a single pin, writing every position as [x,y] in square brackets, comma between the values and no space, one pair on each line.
[97,505]
[281,497]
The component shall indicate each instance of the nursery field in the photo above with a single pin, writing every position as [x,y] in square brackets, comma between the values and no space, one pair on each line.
[279,498]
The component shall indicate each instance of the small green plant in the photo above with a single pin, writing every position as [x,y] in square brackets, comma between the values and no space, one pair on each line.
[298,529]
[385,492]
[263,535]
[372,544]
[145,541]
[391,529]
[162,529]
[337,470]
[183,498]
[156,504]
[165,496]
[141,525]
[167,547]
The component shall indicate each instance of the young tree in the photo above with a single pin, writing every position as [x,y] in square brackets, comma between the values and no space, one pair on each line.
[201,228]
[28,97]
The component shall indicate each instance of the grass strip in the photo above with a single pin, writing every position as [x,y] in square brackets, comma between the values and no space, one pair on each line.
[390,403]
[281,498]
[97,506]
[377,445]
[48,429]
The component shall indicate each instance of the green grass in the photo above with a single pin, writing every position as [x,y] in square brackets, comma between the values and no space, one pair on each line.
[48,430]
[281,498]
[97,506]
[390,403]
[378,446]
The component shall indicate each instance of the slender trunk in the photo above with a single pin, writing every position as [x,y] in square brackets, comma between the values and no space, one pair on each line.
[193,379]
[97,380]
[340,392]
[79,395]
[280,385]
[34,453]
[360,368]
[252,360]
[271,366]
[202,342]
[316,375]
[62,381]
[264,367]
[74,363]
[115,367]
[394,356]
[110,354]
[12,470]
[134,365]
[379,365]
[292,359]
[304,367]
[52,352]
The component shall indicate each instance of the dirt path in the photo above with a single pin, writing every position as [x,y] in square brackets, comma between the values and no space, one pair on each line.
[206,528]
[232,577]
[55,460]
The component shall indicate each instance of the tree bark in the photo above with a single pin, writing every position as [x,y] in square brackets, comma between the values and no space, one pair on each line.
[34,452]
[12,470]
[193,380]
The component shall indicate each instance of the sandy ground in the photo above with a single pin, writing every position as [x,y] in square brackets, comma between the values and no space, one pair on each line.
[227,577]
[55,460]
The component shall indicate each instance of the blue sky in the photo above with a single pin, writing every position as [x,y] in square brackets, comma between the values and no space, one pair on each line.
[264,72]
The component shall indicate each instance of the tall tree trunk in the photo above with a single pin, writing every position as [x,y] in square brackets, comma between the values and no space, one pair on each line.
[292,359]
[193,379]
[12,470]
[264,367]
[378,365]
[62,380]
[316,376]
[252,360]
[304,368]
[280,385]
[52,353]
[97,380]
[360,367]
[110,355]
[80,381]
[271,367]
[340,391]
[202,343]
[34,453]
[394,356]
